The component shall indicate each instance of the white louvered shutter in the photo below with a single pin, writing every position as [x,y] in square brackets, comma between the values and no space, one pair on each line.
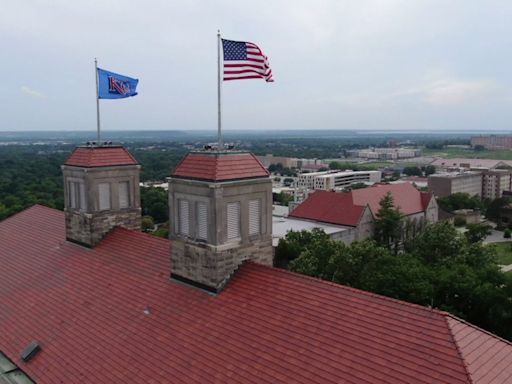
[202,221]
[183,219]
[82,199]
[233,220]
[104,192]
[254,217]
[72,194]
[124,194]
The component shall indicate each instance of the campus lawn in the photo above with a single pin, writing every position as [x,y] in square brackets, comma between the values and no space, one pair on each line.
[504,252]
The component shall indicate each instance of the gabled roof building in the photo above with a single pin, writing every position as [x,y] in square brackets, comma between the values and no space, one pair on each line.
[112,312]
[358,207]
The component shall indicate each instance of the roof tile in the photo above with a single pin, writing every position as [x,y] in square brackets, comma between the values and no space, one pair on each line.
[100,157]
[220,166]
[86,308]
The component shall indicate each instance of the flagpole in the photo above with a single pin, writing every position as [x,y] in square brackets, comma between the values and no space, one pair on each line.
[97,101]
[219,80]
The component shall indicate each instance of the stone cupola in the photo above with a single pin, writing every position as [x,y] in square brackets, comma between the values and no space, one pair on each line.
[220,205]
[101,191]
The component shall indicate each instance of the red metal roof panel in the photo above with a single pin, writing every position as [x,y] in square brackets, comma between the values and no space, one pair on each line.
[100,157]
[329,207]
[220,166]
[111,314]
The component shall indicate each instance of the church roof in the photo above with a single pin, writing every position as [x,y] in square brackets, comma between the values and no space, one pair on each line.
[100,157]
[346,208]
[111,314]
[220,166]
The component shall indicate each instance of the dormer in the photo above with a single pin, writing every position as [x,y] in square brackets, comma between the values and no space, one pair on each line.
[101,191]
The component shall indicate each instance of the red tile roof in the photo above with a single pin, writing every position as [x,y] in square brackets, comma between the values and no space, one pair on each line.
[100,157]
[346,208]
[220,166]
[330,207]
[86,309]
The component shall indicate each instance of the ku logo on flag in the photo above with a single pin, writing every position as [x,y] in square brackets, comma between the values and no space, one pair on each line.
[115,86]
[118,86]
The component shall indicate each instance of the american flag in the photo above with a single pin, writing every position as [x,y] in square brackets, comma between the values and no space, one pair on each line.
[243,60]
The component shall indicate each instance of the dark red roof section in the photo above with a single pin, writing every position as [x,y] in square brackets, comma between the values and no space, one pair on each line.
[346,208]
[405,196]
[425,199]
[220,166]
[111,315]
[100,157]
[330,207]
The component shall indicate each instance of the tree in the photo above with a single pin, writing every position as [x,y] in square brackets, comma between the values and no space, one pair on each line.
[388,223]
[429,170]
[507,233]
[294,243]
[494,208]
[412,171]
[477,232]
[147,223]
[459,200]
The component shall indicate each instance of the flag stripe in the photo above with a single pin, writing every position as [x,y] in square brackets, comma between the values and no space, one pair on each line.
[244,60]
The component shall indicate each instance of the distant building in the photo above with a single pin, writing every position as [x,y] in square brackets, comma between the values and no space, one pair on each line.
[485,184]
[494,183]
[330,180]
[386,153]
[357,208]
[445,184]
[492,141]
[292,162]
[470,164]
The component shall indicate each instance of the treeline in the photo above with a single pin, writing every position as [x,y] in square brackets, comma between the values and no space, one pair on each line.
[32,175]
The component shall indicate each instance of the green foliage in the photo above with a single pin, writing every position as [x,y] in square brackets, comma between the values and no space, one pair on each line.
[477,232]
[459,221]
[442,268]
[154,204]
[282,198]
[283,171]
[295,243]
[459,200]
[494,208]
[507,233]
[28,177]
[429,170]
[147,223]
[162,231]
[388,224]
[412,171]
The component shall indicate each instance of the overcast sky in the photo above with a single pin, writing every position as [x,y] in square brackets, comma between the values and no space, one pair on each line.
[358,64]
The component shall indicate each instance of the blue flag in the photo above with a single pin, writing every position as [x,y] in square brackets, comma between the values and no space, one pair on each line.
[115,86]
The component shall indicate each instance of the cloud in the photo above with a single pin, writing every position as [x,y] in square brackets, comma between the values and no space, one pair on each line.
[32,92]
[453,92]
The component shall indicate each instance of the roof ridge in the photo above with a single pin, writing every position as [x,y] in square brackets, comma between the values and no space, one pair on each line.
[448,314]
[37,205]
[459,352]
[356,290]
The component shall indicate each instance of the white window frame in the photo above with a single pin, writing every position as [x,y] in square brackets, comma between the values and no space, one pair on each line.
[254,217]
[183,217]
[104,196]
[124,201]
[233,230]
[202,220]
[76,195]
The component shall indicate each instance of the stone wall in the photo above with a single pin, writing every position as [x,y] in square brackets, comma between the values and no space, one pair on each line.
[212,266]
[89,228]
